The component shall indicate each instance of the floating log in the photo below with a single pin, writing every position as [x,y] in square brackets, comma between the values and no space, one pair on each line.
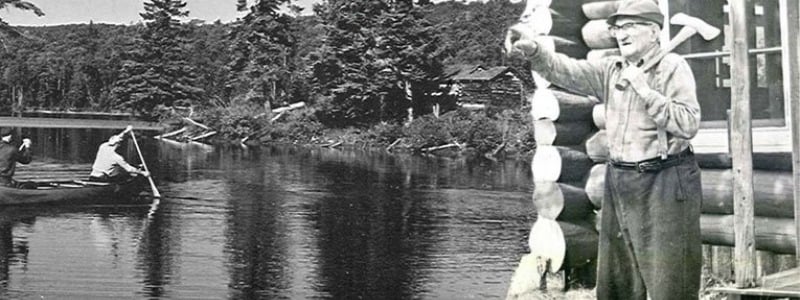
[596,54]
[595,184]
[596,36]
[435,148]
[772,192]
[397,141]
[776,161]
[597,147]
[195,123]
[202,136]
[77,123]
[559,163]
[599,10]
[173,133]
[599,116]
[771,234]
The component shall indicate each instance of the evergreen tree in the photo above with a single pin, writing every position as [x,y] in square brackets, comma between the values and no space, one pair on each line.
[155,74]
[262,49]
[378,55]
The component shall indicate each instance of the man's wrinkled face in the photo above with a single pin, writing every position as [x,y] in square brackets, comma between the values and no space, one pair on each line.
[634,36]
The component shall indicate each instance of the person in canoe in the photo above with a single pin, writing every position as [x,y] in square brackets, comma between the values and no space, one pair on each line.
[11,154]
[109,166]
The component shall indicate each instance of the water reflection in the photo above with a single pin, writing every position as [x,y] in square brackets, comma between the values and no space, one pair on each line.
[277,223]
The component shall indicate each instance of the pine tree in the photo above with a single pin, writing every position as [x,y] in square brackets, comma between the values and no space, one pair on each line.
[262,49]
[378,55]
[155,74]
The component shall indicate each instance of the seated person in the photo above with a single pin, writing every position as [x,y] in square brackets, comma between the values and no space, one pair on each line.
[109,166]
[11,154]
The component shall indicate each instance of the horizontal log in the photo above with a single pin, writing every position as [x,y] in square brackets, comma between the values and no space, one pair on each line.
[559,201]
[595,184]
[577,206]
[596,36]
[597,147]
[574,107]
[568,133]
[599,116]
[581,239]
[599,10]
[772,193]
[776,161]
[771,234]
[544,132]
[559,163]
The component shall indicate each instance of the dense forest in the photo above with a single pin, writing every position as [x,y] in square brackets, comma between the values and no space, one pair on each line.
[355,63]
[80,66]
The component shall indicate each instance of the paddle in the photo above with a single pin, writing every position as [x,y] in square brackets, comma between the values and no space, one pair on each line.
[156,194]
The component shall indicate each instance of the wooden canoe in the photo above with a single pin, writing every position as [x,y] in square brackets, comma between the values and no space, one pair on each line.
[74,192]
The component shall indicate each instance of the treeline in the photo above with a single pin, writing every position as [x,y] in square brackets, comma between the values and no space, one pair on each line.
[355,63]
[308,58]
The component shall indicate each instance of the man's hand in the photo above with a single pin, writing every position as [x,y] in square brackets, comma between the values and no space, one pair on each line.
[127,129]
[26,143]
[144,173]
[637,79]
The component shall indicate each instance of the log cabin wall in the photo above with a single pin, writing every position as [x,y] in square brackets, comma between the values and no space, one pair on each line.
[578,181]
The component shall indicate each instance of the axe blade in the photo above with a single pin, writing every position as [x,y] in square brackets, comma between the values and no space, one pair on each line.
[707,31]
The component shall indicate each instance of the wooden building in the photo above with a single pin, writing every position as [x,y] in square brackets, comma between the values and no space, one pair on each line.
[485,87]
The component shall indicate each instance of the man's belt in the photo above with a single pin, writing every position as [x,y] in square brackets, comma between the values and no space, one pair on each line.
[654,164]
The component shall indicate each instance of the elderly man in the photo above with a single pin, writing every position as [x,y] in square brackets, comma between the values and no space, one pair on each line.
[109,166]
[11,154]
[650,242]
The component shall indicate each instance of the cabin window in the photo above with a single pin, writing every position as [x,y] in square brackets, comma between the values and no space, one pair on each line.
[710,62]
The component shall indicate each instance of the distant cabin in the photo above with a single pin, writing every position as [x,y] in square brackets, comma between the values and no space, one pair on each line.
[478,87]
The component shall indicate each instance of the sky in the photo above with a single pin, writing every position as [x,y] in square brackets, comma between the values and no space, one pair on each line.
[121,11]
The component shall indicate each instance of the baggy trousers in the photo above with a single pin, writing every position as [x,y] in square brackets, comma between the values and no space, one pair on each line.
[650,242]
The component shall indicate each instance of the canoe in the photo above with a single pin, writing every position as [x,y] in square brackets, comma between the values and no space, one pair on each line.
[75,192]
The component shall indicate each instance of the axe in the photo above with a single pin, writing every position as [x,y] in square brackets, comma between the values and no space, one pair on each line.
[691,26]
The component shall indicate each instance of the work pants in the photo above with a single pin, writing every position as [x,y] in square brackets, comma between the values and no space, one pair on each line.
[650,242]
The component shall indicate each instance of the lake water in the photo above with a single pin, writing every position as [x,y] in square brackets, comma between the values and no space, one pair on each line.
[284,222]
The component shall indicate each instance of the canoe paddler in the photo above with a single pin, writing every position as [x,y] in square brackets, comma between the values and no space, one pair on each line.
[11,154]
[109,166]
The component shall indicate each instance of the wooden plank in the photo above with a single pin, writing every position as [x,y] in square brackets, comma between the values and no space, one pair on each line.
[77,123]
[742,146]
[790,28]
[781,279]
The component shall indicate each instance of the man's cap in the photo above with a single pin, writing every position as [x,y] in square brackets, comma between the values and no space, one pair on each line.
[644,9]
[6,131]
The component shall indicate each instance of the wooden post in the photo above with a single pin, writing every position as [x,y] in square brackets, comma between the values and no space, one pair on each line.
[742,146]
[790,28]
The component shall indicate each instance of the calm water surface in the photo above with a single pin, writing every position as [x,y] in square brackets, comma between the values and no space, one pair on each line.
[275,223]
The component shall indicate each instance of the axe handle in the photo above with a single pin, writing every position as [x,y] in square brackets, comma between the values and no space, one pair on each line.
[683,35]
